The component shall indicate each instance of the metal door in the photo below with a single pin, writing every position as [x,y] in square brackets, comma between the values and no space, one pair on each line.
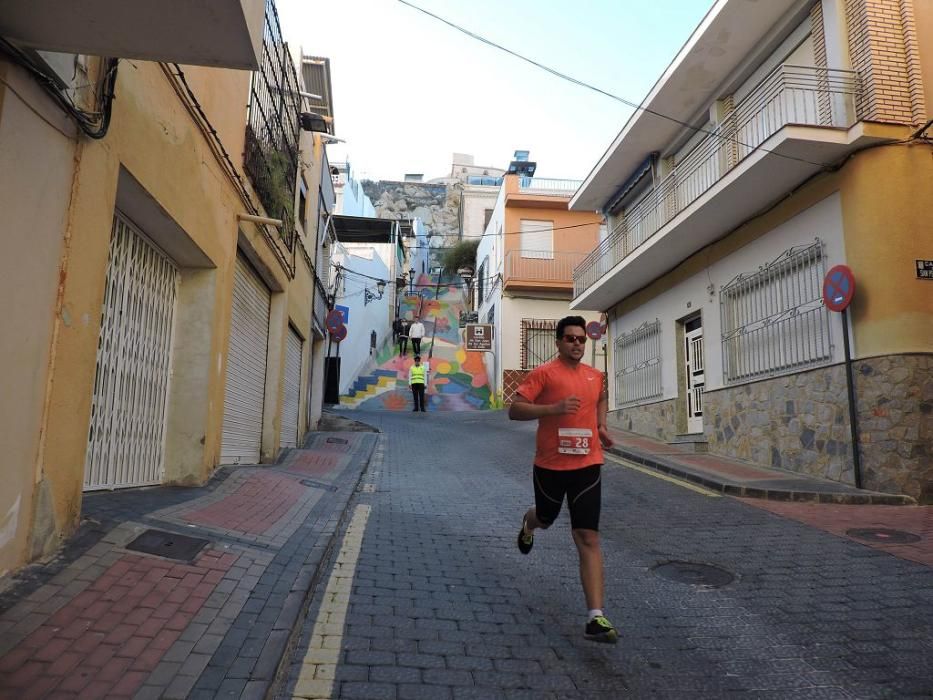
[246,368]
[126,437]
[696,378]
[289,433]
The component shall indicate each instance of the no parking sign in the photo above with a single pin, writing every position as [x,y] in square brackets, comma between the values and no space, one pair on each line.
[838,288]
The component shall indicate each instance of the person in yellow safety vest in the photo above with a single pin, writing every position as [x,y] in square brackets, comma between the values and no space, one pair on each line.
[418,380]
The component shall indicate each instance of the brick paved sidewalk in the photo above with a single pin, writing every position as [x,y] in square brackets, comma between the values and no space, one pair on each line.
[736,478]
[104,621]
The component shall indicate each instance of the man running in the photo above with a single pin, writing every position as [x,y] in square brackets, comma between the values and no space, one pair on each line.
[567,399]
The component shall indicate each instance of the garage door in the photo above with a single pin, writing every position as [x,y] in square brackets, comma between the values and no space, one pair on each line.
[246,368]
[126,437]
[292,389]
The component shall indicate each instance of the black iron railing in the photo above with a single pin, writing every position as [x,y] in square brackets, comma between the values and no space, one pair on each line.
[271,156]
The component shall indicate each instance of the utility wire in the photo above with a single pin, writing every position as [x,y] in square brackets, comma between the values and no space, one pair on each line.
[636,106]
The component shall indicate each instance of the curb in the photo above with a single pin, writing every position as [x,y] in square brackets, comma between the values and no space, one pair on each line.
[335,526]
[732,489]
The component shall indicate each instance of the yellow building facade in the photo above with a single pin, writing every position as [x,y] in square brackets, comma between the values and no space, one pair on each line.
[156,327]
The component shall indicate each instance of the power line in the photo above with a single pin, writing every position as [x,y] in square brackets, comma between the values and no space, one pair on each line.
[588,86]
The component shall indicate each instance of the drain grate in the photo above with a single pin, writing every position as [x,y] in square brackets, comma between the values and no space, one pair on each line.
[318,485]
[694,573]
[168,545]
[883,535]
[337,441]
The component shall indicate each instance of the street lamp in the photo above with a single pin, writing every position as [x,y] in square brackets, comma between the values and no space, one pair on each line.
[411,281]
[467,274]
[369,296]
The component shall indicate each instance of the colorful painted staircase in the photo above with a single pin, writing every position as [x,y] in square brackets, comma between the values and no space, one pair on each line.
[457,380]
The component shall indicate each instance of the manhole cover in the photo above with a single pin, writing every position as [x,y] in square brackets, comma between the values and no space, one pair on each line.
[168,545]
[337,441]
[883,535]
[318,485]
[694,573]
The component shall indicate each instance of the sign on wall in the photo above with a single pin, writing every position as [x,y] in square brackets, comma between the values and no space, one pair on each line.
[925,269]
[479,336]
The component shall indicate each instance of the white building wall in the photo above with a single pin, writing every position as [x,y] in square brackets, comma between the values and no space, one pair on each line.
[364,318]
[822,220]
[474,201]
[514,309]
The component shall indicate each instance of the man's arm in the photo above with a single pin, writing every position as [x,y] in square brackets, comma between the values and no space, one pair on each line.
[523,409]
[602,411]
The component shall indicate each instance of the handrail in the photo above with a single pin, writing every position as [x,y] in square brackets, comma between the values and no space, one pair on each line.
[790,94]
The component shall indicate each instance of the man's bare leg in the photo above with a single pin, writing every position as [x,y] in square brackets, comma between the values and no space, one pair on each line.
[591,566]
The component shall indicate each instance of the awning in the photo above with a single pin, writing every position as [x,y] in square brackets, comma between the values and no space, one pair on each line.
[363,229]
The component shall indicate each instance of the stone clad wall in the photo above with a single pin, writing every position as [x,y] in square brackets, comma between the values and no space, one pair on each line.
[655,420]
[800,422]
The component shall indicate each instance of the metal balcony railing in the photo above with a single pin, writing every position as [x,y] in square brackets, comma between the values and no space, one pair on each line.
[549,184]
[802,95]
[540,266]
[271,153]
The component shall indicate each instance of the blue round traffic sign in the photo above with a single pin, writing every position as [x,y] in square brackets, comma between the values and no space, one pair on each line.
[838,288]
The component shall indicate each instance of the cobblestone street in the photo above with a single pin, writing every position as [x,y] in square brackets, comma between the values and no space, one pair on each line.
[428,596]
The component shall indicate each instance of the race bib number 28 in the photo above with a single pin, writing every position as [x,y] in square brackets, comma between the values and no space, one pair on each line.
[574,441]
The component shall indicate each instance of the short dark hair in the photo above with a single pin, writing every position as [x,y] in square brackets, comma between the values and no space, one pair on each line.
[569,321]
[417,357]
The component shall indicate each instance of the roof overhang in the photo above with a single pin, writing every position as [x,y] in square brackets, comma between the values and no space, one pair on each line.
[757,183]
[362,229]
[222,33]
[726,46]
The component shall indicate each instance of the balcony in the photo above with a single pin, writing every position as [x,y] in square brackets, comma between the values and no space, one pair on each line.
[540,270]
[271,154]
[546,185]
[789,126]
[222,33]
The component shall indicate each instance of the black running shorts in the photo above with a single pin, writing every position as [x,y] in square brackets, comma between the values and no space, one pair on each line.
[582,488]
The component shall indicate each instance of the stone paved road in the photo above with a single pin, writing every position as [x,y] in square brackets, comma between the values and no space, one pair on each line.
[429,597]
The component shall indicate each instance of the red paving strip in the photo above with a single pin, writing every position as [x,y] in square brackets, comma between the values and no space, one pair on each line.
[108,639]
[257,504]
[719,466]
[837,519]
[317,464]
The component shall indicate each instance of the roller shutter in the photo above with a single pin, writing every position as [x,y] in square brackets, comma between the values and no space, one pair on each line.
[246,368]
[293,344]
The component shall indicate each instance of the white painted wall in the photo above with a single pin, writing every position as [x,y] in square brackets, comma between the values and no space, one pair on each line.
[823,220]
[376,315]
[474,201]
[514,309]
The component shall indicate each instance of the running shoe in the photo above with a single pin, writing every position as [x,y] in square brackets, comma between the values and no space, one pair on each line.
[599,629]
[525,541]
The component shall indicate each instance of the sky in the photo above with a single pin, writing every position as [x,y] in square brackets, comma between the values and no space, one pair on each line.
[410,91]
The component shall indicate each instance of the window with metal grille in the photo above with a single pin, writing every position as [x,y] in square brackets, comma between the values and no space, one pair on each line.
[637,363]
[773,320]
[538,344]
[271,148]
[481,282]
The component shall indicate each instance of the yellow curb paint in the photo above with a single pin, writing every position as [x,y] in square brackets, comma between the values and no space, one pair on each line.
[664,477]
[316,678]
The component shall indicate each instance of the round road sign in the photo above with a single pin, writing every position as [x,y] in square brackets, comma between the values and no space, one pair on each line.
[838,288]
[339,333]
[594,329]
[333,320]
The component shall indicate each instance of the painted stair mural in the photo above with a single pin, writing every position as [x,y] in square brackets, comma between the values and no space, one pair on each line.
[457,379]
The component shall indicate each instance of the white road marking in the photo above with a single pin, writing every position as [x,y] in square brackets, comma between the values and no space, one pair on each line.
[318,668]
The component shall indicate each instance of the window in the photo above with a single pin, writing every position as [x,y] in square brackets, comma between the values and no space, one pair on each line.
[773,320]
[488,216]
[537,338]
[303,206]
[537,239]
[637,363]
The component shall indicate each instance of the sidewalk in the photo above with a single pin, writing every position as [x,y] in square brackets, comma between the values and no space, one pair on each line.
[736,478]
[215,619]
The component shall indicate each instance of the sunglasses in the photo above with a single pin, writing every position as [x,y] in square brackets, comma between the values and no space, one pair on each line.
[575,339]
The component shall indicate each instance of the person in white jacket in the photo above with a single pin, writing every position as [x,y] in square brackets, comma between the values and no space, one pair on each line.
[416,333]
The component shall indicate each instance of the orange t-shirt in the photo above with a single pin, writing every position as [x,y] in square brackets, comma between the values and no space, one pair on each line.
[569,441]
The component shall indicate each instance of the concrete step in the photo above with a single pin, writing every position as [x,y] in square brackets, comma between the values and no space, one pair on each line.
[694,443]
